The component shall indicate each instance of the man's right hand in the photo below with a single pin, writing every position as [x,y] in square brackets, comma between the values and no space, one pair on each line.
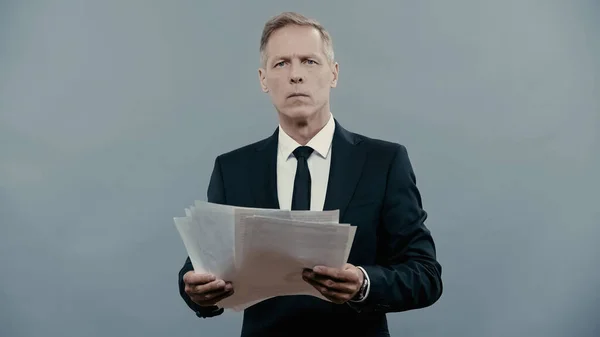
[206,289]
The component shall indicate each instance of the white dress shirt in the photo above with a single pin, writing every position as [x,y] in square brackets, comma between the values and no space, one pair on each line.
[319,163]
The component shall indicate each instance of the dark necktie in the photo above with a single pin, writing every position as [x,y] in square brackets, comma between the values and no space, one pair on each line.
[301,196]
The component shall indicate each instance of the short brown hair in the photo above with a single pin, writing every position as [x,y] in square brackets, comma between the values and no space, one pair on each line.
[292,18]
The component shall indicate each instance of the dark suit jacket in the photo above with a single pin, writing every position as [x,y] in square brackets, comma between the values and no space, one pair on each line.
[373,185]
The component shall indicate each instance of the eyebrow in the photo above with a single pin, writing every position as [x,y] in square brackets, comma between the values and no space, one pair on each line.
[304,56]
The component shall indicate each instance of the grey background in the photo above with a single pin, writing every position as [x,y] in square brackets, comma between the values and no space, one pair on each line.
[111,114]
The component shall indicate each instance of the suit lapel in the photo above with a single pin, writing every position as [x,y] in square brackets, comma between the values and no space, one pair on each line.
[263,173]
[347,162]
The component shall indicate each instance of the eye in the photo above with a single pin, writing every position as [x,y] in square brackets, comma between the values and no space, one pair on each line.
[279,64]
[309,61]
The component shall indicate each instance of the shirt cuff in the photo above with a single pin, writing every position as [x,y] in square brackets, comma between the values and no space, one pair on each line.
[209,312]
[368,285]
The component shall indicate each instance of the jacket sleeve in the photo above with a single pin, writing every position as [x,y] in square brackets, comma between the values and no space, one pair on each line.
[216,194]
[407,275]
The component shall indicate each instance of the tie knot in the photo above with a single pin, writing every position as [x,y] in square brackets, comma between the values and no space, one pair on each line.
[303,152]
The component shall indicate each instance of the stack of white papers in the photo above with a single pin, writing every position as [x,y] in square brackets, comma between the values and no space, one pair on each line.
[262,251]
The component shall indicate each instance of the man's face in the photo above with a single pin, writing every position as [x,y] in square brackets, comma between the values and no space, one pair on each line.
[297,74]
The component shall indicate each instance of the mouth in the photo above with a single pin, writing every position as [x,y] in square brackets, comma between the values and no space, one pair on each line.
[297,94]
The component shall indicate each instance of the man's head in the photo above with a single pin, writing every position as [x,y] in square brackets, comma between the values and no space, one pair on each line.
[297,67]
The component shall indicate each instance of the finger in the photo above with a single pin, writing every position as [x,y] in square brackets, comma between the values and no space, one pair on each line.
[216,285]
[210,290]
[333,295]
[336,273]
[346,283]
[194,278]
[212,298]
[213,295]
[218,294]
[224,295]
[330,284]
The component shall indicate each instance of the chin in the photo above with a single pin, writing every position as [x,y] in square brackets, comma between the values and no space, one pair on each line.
[298,113]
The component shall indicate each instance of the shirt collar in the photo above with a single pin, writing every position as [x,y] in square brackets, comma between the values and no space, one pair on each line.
[321,142]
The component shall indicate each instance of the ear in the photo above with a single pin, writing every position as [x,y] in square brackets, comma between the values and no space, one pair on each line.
[262,78]
[335,71]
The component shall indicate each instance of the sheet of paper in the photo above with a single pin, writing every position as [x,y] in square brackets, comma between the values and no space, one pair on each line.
[242,214]
[208,235]
[277,250]
[262,251]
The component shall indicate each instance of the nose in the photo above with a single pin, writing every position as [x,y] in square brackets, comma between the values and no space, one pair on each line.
[296,76]
[296,79]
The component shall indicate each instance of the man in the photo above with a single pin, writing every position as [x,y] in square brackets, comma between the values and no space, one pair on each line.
[311,162]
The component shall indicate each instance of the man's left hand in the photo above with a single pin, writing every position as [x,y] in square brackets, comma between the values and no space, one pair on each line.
[338,285]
